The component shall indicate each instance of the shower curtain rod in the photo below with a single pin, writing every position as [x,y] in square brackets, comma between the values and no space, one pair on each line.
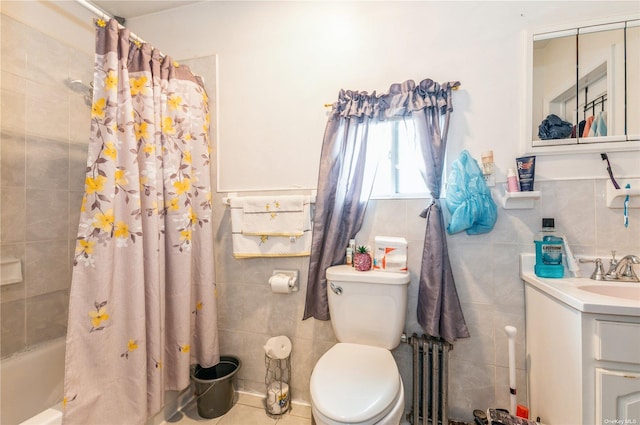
[104,15]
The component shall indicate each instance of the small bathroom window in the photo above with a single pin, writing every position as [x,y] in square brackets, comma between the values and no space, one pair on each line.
[398,173]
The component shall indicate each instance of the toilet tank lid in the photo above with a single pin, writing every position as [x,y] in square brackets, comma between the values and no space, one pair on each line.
[344,273]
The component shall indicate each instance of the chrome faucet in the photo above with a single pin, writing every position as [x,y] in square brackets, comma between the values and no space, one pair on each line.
[613,264]
[621,270]
[598,272]
[624,270]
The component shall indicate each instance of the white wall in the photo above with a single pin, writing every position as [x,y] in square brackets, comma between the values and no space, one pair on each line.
[281,61]
[291,51]
[65,21]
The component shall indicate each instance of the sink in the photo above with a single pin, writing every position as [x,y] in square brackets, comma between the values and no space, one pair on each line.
[628,292]
[584,294]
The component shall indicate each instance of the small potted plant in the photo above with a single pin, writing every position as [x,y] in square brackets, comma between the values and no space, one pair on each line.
[362,259]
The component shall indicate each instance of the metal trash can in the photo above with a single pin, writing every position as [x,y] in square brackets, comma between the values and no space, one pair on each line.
[215,386]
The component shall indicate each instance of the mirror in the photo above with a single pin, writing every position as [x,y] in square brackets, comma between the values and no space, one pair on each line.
[554,85]
[601,84]
[633,82]
[580,94]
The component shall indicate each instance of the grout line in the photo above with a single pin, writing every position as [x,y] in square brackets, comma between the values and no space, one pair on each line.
[303,408]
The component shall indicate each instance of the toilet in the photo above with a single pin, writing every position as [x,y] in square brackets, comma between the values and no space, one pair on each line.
[357,380]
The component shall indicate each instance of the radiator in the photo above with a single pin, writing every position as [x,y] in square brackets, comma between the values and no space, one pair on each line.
[430,381]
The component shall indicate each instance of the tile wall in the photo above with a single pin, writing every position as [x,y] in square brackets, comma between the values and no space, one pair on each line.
[486,270]
[44,128]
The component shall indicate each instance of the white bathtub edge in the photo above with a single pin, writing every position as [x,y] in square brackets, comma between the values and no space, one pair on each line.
[51,416]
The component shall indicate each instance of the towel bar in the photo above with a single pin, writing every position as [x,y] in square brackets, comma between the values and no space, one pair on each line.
[227,199]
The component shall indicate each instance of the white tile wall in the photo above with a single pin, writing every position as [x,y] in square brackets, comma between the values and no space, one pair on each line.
[486,270]
[41,182]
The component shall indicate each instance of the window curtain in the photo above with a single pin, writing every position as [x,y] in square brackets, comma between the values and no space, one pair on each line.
[344,185]
[142,304]
[439,311]
[343,193]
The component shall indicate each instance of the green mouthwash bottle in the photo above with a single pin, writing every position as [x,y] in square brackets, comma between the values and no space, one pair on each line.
[549,251]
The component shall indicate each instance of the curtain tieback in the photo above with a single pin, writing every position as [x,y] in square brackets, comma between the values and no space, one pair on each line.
[425,212]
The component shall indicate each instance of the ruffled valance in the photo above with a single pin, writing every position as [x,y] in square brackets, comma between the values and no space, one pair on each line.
[402,99]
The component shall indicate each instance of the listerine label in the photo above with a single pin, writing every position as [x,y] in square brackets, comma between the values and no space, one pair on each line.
[551,253]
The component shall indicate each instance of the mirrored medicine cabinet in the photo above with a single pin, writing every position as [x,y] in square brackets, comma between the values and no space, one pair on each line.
[585,87]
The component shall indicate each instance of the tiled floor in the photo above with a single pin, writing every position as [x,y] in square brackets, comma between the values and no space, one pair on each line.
[249,410]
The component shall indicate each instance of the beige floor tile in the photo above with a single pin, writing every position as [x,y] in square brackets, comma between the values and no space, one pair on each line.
[301,410]
[246,415]
[251,400]
[289,419]
[248,410]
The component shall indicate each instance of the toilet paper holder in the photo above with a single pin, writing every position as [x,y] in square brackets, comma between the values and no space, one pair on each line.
[291,274]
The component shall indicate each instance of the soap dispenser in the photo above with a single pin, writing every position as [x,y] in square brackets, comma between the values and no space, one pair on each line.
[549,251]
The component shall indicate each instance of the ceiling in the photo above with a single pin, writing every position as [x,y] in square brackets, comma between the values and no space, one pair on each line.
[133,9]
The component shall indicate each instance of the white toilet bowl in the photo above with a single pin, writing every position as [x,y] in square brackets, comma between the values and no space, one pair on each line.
[356,384]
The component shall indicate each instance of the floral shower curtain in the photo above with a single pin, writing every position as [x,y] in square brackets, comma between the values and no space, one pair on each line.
[142,306]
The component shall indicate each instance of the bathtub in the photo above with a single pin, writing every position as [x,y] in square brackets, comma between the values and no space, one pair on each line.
[32,386]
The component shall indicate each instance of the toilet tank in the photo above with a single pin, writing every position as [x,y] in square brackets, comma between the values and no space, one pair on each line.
[367,307]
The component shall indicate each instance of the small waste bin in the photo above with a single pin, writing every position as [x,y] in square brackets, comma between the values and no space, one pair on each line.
[215,386]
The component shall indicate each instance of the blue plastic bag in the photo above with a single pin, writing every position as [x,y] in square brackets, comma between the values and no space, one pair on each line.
[469,199]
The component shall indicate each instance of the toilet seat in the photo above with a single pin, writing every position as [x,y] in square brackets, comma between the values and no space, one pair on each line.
[355,384]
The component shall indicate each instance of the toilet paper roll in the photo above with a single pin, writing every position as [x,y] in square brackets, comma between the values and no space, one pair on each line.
[278,347]
[280,283]
[278,398]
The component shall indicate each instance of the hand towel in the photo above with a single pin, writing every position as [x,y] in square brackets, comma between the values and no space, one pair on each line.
[599,125]
[587,126]
[252,246]
[273,215]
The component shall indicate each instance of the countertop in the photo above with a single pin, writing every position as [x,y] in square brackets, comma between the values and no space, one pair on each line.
[567,290]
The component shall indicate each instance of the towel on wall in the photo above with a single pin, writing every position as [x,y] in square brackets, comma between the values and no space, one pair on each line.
[587,126]
[269,245]
[599,125]
[273,215]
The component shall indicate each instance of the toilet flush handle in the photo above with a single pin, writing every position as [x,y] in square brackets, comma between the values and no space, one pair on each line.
[336,289]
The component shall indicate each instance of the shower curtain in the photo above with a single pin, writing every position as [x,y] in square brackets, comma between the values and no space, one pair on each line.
[142,305]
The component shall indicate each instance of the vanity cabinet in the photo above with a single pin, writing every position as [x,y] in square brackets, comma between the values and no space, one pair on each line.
[617,396]
[582,368]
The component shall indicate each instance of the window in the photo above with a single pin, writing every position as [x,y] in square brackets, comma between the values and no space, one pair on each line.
[398,173]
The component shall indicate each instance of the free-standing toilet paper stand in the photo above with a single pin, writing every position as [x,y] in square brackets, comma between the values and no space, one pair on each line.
[278,401]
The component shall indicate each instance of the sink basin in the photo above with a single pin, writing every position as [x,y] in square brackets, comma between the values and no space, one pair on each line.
[628,292]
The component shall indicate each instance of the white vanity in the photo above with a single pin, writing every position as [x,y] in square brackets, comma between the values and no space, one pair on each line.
[583,349]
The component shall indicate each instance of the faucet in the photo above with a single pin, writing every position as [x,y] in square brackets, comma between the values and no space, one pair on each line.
[613,263]
[621,270]
[624,270]
[598,272]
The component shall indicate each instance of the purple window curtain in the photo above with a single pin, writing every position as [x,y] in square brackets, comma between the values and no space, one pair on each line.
[142,304]
[344,186]
[439,311]
[343,194]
